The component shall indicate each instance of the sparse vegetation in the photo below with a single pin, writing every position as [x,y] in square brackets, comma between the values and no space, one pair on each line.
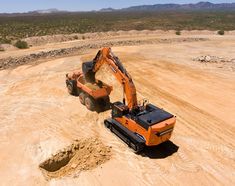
[21,26]
[83,37]
[178,32]
[221,32]
[75,37]
[4,40]
[21,44]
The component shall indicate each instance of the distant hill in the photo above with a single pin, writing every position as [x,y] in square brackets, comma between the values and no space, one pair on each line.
[34,13]
[197,6]
[107,10]
[47,11]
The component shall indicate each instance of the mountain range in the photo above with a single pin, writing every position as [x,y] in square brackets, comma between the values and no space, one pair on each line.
[163,7]
[157,7]
[197,6]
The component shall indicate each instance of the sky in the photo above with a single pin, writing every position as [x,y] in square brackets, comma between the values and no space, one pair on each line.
[9,6]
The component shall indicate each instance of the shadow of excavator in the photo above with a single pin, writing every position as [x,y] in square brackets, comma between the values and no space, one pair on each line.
[161,151]
[100,109]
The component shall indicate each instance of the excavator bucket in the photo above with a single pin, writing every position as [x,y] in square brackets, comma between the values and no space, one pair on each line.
[89,75]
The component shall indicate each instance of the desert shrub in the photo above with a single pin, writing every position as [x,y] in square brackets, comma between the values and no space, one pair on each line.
[83,37]
[178,32]
[221,32]
[75,37]
[21,44]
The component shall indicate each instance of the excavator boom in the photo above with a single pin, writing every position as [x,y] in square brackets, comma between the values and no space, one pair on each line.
[105,56]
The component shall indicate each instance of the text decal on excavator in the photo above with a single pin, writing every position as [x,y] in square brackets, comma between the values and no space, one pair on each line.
[164,132]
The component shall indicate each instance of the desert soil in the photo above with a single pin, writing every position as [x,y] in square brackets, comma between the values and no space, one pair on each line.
[81,155]
[38,117]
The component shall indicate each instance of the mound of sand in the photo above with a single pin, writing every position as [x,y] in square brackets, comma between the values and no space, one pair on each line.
[212,59]
[79,156]
[7,47]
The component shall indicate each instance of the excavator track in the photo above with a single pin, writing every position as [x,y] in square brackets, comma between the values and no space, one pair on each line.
[132,140]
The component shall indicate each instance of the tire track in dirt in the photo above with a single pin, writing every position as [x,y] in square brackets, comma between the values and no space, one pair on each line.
[220,149]
[186,164]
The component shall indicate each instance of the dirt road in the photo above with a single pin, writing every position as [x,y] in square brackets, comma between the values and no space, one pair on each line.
[38,118]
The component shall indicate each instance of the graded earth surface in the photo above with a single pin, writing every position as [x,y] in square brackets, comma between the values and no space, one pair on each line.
[38,117]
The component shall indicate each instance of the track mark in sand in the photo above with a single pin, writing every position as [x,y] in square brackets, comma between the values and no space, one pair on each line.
[222,150]
[151,168]
[120,149]
[80,156]
[85,121]
[186,163]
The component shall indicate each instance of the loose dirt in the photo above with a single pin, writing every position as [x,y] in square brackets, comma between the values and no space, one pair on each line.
[213,59]
[92,86]
[81,155]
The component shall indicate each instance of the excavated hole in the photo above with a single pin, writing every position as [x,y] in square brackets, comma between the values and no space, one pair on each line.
[81,155]
[58,161]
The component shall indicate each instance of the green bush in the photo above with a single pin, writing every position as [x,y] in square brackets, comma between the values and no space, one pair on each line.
[178,32]
[21,44]
[220,32]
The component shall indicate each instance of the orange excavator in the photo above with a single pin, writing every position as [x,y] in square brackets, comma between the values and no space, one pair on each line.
[138,125]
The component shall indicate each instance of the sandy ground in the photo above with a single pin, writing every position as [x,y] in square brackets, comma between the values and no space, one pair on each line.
[38,117]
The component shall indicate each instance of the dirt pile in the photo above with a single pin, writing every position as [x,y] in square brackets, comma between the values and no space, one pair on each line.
[14,62]
[42,40]
[81,155]
[212,59]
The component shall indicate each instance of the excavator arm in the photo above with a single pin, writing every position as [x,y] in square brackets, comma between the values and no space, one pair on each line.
[105,56]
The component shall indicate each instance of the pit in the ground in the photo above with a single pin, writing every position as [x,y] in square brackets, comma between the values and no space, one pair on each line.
[59,160]
[80,155]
